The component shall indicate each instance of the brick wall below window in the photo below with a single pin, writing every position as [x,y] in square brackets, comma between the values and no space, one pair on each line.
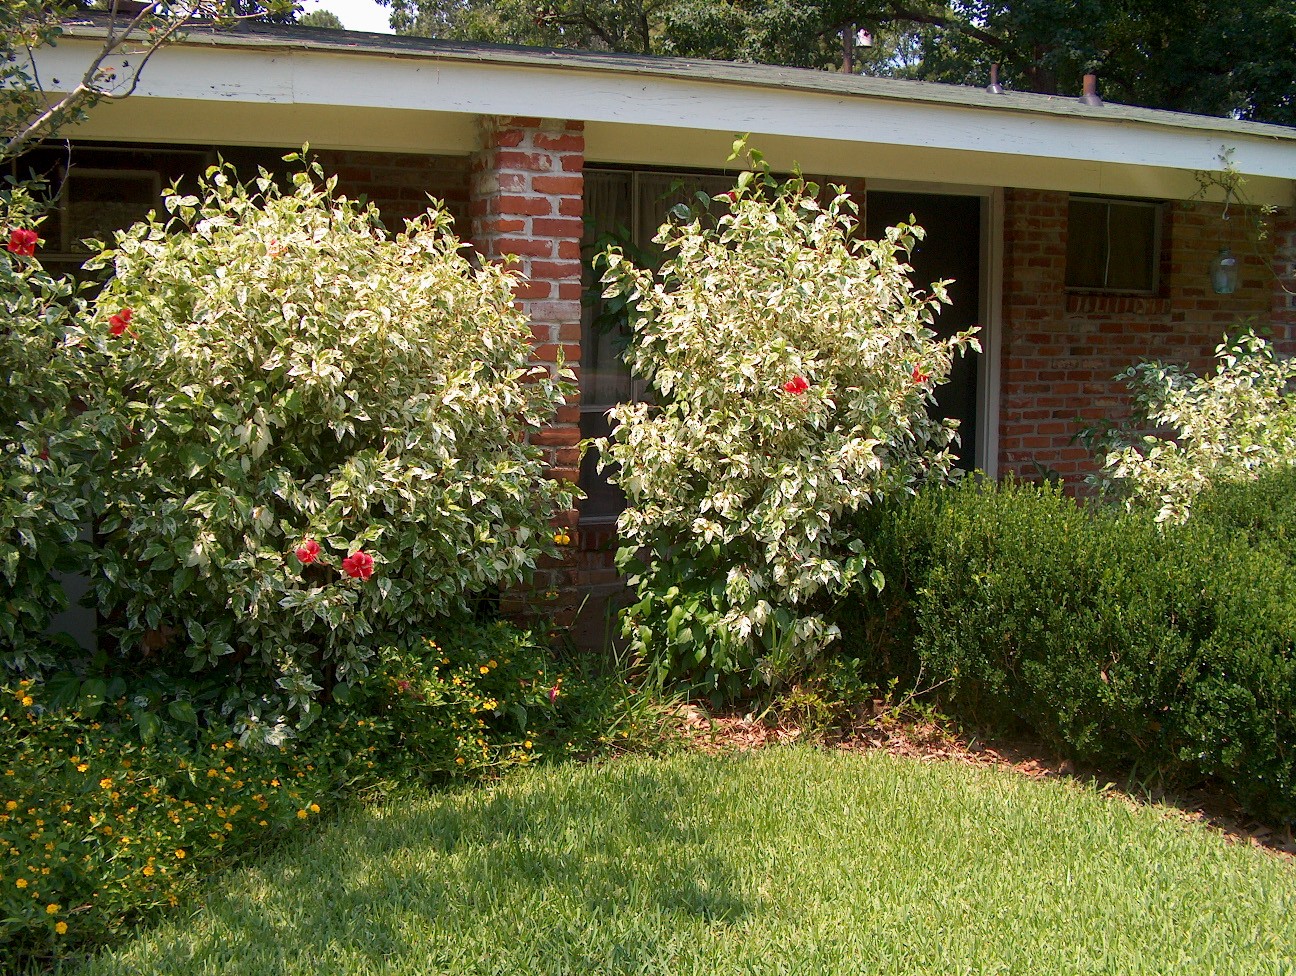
[1061,350]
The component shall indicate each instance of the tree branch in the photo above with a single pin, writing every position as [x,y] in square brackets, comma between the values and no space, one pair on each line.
[900,13]
[90,89]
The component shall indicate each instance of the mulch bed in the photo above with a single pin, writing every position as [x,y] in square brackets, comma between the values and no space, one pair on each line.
[924,740]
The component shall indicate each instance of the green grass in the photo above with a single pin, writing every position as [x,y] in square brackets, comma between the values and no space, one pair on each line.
[783,861]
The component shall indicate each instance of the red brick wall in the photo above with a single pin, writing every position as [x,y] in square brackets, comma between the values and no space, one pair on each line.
[526,201]
[400,183]
[1061,350]
[1284,291]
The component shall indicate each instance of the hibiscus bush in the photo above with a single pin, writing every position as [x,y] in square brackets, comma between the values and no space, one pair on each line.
[1188,432]
[312,437]
[792,364]
[40,504]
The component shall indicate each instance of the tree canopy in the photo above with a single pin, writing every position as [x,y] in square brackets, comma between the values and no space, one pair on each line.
[1192,56]
[321,18]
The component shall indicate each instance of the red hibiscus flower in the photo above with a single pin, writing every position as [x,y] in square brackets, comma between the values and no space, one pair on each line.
[22,242]
[308,552]
[919,376]
[358,565]
[796,385]
[119,323]
[553,692]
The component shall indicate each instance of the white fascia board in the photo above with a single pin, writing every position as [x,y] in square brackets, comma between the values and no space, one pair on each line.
[227,73]
[907,165]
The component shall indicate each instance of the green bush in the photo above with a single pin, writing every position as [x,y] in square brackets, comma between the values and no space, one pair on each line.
[312,438]
[792,365]
[97,827]
[41,510]
[1262,512]
[1168,649]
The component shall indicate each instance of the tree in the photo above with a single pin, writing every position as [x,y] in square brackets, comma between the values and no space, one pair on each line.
[1195,56]
[321,18]
[616,25]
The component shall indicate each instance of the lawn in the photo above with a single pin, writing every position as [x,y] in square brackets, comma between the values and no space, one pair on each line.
[787,860]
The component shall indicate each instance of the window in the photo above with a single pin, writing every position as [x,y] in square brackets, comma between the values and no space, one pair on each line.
[98,189]
[629,206]
[1113,245]
[94,203]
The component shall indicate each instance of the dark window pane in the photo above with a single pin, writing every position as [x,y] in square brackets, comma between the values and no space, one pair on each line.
[1086,244]
[603,501]
[1132,243]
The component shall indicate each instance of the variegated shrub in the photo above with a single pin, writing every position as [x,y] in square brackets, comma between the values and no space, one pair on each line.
[792,364]
[312,436]
[1188,432]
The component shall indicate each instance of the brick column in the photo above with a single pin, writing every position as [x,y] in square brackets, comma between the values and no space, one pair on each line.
[526,202]
[1034,403]
[1284,286]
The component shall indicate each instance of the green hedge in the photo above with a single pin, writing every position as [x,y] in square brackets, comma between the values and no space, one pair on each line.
[1168,650]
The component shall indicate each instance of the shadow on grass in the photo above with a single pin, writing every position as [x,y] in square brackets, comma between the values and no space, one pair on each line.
[443,882]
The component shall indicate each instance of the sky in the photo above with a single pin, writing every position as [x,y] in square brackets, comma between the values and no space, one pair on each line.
[361,15]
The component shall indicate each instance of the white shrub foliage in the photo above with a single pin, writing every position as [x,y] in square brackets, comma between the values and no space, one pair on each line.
[1227,426]
[312,434]
[791,365]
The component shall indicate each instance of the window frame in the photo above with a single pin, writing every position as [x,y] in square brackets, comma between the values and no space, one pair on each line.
[67,249]
[1157,210]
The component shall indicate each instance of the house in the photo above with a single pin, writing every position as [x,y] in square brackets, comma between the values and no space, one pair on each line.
[1080,235]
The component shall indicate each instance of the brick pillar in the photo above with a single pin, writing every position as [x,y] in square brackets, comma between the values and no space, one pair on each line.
[527,197]
[1283,231]
[1032,402]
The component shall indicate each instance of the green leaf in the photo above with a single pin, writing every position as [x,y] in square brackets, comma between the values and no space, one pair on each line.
[183,712]
[148,725]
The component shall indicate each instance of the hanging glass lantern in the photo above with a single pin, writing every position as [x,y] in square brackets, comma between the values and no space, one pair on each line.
[1224,272]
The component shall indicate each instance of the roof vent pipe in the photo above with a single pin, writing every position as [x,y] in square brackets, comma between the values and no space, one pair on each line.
[994,87]
[1090,96]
